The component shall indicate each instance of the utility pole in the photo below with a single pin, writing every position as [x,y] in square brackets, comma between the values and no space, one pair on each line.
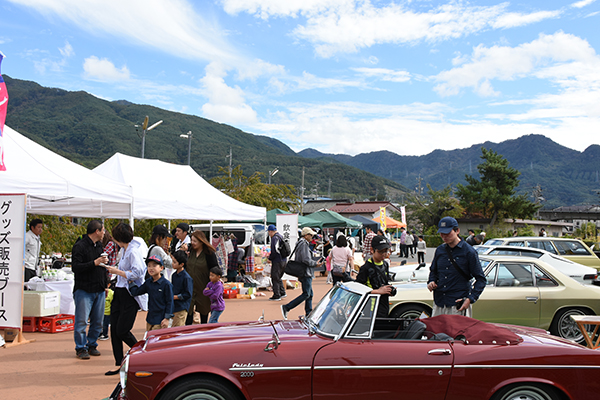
[329,189]
[302,194]
[230,158]
[188,136]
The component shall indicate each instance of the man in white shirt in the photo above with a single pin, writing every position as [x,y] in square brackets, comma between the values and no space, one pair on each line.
[32,248]
[181,233]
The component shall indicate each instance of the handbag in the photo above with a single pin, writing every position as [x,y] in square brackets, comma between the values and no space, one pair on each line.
[295,268]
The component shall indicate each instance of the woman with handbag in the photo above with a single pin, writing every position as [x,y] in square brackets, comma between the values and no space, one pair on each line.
[342,261]
[124,306]
[202,258]
[304,256]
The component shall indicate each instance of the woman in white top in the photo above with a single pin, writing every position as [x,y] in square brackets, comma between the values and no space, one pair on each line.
[342,261]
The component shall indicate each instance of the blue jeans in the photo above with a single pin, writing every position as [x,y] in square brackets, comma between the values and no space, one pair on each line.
[88,306]
[105,324]
[306,296]
[214,316]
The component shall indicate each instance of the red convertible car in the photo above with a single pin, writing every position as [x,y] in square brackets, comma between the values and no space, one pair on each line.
[341,351]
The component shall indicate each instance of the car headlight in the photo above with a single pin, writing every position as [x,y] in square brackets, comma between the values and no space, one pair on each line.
[123,372]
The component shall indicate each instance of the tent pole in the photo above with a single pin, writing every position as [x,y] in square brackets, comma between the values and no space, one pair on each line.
[210,231]
[131,213]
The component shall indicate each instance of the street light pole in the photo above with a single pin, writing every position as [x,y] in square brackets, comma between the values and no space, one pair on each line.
[188,136]
[272,173]
[145,129]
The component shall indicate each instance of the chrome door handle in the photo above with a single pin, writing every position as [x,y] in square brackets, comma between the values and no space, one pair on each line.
[531,298]
[439,352]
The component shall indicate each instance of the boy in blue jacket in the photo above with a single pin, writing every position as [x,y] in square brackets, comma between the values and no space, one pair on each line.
[160,295]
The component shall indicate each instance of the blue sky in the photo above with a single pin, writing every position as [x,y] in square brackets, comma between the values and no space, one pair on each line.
[340,76]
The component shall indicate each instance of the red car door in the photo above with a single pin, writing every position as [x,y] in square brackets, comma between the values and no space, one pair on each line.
[382,369]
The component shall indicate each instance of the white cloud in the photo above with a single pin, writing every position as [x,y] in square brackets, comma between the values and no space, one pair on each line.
[173,27]
[582,3]
[346,26]
[537,58]
[104,70]
[258,68]
[513,20]
[384,74]
[225,103]
[67,51]
[281,8]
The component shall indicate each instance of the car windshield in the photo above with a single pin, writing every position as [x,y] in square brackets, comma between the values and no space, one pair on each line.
[334,310]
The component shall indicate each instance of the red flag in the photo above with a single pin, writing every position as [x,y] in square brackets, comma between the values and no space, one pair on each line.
[3,104]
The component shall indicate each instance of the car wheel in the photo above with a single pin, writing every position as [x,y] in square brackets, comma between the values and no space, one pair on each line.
[409,311]
[200,389]
[529,391]
[564,326]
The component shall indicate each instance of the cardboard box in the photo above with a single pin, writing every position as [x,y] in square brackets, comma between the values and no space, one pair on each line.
[10,334]
[40,304]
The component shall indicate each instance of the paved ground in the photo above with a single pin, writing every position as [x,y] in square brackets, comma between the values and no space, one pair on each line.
[48,369]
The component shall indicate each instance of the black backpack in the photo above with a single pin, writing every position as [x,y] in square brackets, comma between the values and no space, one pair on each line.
[284,248]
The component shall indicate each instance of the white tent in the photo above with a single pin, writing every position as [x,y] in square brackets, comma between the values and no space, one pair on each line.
[170,191]
[57,186]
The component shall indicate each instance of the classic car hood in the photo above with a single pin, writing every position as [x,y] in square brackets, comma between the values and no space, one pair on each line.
[234,332]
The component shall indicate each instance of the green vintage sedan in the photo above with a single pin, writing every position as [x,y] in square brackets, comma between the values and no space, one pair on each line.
[519,291]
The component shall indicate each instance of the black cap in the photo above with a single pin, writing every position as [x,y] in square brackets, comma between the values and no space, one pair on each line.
[380,242]
[183,226]
[161,230]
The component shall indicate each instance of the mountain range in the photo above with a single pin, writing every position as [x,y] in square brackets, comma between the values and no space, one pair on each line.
[89,130]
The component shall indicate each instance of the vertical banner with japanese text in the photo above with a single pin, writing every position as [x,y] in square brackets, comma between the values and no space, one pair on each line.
[403,212]
[382,218]
[287,225]
[3,105]
[12,249]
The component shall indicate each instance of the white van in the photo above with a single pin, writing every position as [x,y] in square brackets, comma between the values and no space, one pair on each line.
[243,232]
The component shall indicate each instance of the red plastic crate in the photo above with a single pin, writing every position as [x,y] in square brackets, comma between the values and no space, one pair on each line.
[230,293]
[56,323]
[30,324]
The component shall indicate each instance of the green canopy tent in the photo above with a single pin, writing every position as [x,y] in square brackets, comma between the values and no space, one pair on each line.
[302,220]
[331,219]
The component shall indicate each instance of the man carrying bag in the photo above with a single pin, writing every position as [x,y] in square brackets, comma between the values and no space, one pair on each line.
[306,261]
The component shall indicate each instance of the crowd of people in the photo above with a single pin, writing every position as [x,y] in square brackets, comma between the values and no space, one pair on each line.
[116,275]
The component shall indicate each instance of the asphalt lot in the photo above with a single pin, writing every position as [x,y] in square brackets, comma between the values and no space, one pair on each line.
[48,368]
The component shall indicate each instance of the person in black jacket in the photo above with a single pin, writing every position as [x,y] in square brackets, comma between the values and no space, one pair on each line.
[89,289]
[375,273]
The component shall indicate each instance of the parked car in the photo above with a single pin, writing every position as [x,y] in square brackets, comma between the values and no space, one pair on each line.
[520,290]
[341,351]
[581,273]
[571,249]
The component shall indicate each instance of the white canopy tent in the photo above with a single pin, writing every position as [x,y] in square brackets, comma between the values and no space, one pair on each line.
[170,191]
[57,186]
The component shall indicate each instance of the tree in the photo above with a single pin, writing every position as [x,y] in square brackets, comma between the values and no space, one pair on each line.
[494,195]
[251,190]
[436,205]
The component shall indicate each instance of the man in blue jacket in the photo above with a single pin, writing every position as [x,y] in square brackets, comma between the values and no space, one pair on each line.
[454,265]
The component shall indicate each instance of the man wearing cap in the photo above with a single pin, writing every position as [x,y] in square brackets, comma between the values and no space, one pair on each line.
[277,264]
[303,255]
[454,264]
[375,273]
[181,233]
